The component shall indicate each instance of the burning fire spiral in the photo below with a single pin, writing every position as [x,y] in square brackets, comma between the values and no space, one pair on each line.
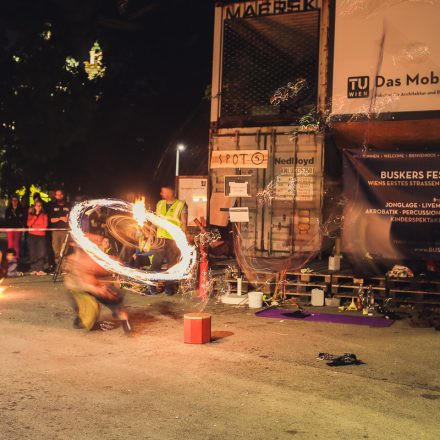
[179,271]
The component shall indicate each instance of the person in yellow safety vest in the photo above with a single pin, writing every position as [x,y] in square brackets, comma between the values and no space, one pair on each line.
[143,255]
[175,211]
[106,246]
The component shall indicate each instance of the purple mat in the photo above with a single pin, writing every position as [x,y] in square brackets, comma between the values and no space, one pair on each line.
[325,317]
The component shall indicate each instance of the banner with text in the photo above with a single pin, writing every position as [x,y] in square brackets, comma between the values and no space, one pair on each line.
[261,8]
[393,207]
[386,57]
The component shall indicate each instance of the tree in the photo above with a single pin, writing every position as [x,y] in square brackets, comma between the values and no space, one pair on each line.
[107,134]
[47,104]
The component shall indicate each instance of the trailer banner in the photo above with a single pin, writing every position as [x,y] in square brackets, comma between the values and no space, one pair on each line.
[386,57]
[392,205]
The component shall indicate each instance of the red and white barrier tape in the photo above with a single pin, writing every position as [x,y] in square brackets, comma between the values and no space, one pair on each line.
[31,229]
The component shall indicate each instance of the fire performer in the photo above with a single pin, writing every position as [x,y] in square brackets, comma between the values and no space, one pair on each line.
[90,286]
[175,211]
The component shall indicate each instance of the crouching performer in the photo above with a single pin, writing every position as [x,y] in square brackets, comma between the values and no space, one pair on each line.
[90,286]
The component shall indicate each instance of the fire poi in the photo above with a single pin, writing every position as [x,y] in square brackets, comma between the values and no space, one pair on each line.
[137,211]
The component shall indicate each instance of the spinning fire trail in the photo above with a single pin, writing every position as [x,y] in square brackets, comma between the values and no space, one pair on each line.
[179,271]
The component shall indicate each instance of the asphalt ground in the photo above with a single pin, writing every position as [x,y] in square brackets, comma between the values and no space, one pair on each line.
[258,379]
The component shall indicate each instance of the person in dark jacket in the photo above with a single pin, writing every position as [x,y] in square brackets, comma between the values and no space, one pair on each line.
[14,218]
[59,220]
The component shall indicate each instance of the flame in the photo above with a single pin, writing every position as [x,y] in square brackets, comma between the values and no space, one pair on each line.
[139,213]
[179,271]
[2,289]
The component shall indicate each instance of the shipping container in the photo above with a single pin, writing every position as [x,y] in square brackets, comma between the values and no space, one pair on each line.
[262,48]
[259,48]
[284,197]
[292,79]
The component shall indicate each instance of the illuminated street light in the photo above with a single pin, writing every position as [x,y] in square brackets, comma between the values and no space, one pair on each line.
[179,148]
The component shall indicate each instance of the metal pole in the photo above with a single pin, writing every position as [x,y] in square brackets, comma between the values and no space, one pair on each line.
[61,256]
[177,161]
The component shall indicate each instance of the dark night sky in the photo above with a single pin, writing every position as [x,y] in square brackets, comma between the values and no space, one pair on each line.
[158,55]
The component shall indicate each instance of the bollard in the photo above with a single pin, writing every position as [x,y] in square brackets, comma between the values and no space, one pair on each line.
[197,328]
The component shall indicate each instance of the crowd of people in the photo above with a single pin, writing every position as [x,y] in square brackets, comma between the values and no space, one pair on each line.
[35,234]
[38,244]
[38,237]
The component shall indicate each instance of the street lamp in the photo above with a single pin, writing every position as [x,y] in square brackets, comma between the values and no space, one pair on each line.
[179,148]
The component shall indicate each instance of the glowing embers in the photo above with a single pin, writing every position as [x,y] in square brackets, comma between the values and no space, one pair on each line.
[176,272]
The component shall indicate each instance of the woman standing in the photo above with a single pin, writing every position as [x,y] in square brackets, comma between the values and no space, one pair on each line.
[37,219]
[14,218]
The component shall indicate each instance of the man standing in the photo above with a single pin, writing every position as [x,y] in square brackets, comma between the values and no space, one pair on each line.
[175,211]
[59,219]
